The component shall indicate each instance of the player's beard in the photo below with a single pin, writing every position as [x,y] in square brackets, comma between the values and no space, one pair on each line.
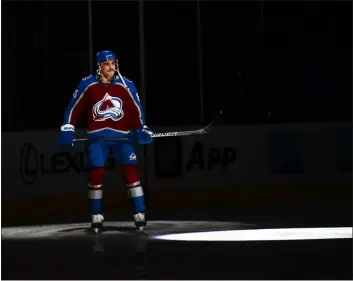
[110,75]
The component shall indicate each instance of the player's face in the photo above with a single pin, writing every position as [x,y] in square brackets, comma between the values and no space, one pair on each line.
[108,68]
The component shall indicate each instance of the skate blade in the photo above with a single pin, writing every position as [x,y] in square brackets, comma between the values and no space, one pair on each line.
[140,228]
[96,230]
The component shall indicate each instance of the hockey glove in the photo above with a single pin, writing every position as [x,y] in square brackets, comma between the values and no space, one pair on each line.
[66,136]
[144,135]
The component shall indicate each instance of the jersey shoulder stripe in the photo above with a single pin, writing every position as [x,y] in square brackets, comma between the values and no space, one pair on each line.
[128,80]
[87,80]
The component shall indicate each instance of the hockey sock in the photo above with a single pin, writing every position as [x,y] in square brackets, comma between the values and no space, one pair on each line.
[95,190]
[134,188]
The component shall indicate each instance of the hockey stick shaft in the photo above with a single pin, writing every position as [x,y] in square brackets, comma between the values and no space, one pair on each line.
[202,131]
[156,135]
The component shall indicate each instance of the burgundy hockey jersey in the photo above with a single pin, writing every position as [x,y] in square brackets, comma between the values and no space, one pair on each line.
[111,109]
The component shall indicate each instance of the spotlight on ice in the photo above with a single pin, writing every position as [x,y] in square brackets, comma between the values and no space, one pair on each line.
[263,234]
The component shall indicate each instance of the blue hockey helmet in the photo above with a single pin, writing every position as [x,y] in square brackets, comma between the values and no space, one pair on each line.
[104,56]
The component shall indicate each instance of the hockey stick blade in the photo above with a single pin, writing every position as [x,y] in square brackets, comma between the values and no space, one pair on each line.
[202,131]
[214,120]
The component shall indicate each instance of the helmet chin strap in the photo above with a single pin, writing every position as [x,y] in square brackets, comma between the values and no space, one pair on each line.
[121,78]
[118,73]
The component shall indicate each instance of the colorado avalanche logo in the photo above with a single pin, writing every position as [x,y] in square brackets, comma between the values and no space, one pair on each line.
[108,107]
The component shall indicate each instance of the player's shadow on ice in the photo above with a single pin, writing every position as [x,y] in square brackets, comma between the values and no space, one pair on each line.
[88,230]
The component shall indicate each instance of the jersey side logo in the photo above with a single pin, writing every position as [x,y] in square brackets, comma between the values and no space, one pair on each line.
[108,108]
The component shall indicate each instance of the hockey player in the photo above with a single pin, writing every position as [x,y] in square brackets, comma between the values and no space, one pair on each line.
[113,110]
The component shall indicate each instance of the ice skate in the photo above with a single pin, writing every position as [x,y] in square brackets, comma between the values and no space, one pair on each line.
[97,223]
[140,221]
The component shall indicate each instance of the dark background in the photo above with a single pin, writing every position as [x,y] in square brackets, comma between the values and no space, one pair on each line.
[293,59]
[290,59]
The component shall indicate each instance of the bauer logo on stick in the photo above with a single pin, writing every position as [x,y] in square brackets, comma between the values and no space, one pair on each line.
[108,107]
[165,134]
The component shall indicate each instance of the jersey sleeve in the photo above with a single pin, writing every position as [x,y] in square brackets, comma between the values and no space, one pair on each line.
[137,100]
[77,104]
[133,111]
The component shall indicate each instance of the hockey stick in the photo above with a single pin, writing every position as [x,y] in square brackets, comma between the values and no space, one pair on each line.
[202,131]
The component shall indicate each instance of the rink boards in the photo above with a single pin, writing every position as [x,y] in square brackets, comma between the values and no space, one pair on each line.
[232,163]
